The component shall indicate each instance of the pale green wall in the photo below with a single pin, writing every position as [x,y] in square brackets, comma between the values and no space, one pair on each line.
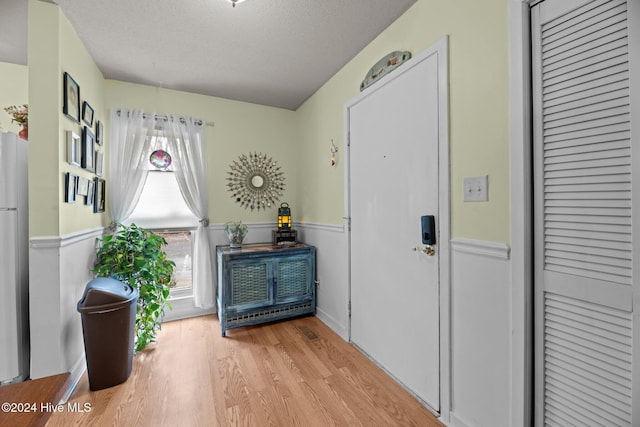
[478,77]
[300,141]
[14,90]
[53,49]
[44,91]
[75,60]
[239,128]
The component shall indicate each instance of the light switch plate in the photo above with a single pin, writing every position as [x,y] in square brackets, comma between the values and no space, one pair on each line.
[475,189]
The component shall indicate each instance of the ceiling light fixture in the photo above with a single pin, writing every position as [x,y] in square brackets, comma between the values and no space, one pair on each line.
[233,2]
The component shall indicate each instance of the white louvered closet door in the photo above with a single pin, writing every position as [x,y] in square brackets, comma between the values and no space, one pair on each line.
[584,264]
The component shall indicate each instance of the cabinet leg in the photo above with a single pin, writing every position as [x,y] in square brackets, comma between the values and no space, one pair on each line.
[224,333]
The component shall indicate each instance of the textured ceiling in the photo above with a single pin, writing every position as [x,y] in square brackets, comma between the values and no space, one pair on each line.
[269,52]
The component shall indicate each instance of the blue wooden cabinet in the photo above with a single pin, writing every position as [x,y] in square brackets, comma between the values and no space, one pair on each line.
[261,282]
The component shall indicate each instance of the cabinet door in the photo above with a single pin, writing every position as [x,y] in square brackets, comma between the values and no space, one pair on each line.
[248,284]
[293,278]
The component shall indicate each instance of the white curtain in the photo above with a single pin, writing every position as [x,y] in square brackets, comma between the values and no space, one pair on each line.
[130,142]
[186,146]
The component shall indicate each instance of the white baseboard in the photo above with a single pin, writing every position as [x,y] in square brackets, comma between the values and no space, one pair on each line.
[332,323]
[455,421]
[77,371]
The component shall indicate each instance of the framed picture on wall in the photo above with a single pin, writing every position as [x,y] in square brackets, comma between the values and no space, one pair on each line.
[70,183]
[88,200]
[99,163]
[71,90]
[88,150]
[99,132]
[83,186]
[74,149]
[87,114]
[99,195]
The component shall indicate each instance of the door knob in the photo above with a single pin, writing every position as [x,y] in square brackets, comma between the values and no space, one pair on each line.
[429,250]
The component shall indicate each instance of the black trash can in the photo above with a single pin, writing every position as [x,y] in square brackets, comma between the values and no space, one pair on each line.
[108,311]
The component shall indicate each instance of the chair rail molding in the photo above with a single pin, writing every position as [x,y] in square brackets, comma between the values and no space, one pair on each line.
[481,247]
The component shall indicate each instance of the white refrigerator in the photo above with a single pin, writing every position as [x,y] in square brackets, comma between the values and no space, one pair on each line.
[14,253]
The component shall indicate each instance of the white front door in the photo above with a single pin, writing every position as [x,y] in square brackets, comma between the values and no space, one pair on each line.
[395,133]
[584,144]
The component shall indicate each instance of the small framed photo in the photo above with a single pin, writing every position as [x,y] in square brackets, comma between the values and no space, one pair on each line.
[87,114]
[99,132]
[70,183]
[88,150]
[74,148]
[71,90]
[99,163]
[83,186]
[99,195]
[88,200]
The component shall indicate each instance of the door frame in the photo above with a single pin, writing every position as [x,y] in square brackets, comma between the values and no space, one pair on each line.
[521,178]
[441,49]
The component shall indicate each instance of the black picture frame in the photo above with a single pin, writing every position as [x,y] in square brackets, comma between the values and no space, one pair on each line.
[88,150]
[71,90]
[99,132]
[70,184]
[100,189]
[87,114]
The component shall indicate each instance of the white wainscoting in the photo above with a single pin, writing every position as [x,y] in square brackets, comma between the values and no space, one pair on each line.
[480,334]
[59,269]
[332,273]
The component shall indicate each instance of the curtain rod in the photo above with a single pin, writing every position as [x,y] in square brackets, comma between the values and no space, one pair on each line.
[165,118]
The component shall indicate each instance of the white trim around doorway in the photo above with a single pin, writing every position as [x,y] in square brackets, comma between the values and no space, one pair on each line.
[521,212]
[440,48]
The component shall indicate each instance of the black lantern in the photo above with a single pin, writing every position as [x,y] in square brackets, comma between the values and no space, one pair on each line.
[284,217]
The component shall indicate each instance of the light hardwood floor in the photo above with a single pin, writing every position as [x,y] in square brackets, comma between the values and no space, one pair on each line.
[290,373]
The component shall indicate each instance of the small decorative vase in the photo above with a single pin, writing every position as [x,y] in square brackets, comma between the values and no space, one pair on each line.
[24,133]
[235,233]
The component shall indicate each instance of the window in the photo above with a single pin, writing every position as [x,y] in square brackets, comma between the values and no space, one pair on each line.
[162,209]
[161,205]
[178,250]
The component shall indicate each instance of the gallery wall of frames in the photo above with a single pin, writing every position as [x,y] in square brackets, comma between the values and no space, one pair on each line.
[84,150]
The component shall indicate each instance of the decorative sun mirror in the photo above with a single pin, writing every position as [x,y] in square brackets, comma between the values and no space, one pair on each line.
[255,181]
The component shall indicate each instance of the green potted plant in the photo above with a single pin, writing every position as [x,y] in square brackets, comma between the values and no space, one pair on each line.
[134,255]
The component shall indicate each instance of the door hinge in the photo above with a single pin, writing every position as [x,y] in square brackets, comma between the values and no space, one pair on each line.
[349,309]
